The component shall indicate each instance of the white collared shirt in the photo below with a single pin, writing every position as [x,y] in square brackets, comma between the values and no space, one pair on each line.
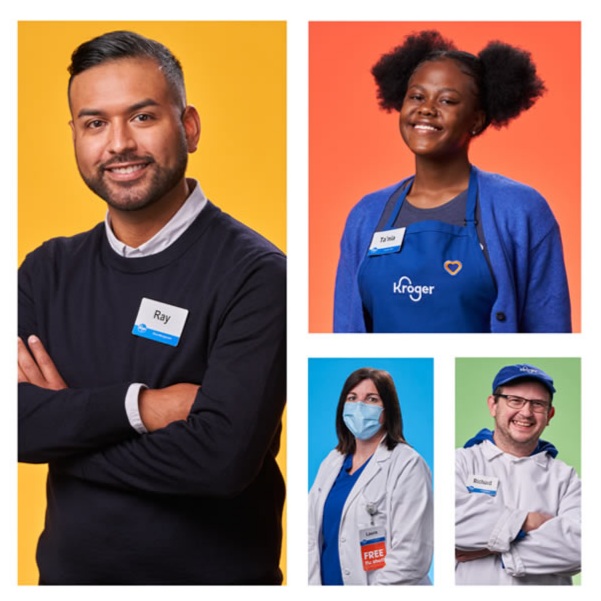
[548,555]
[169,233]
[164,238]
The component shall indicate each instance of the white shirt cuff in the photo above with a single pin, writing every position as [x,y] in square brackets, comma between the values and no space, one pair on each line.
[132,408]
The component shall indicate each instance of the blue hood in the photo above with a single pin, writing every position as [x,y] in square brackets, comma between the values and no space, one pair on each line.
[485,434]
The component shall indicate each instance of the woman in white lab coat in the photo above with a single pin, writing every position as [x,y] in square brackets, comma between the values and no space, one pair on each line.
[370,507]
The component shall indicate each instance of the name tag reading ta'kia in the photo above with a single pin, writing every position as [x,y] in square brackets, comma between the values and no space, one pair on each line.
[384,243]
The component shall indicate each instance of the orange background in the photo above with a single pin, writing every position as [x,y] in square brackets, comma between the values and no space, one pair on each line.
[355,147]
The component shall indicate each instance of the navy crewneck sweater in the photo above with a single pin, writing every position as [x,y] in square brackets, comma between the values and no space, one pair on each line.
[198,502]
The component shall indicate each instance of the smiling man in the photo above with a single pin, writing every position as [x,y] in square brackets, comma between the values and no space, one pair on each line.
[151,356]
[517,517]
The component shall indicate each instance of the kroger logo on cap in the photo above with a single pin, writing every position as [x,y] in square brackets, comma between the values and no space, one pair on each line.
[530,370]
[510,373]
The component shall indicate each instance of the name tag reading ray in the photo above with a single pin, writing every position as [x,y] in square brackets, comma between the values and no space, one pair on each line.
[160,322]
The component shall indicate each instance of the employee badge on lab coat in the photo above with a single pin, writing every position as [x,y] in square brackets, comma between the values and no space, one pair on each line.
[373,548]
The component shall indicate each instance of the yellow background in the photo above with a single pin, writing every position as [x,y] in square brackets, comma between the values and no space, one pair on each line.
[235,76]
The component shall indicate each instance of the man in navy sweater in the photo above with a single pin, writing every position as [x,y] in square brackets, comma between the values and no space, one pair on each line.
[152,351]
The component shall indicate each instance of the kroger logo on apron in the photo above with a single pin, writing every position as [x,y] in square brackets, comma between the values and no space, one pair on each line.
[406,286]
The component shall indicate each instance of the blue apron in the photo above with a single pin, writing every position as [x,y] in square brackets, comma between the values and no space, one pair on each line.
[436,280]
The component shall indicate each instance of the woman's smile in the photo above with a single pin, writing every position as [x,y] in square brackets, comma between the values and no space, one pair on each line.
[440,110]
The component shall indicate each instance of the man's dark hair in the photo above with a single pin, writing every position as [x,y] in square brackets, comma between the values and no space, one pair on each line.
[117,45]
[393,420]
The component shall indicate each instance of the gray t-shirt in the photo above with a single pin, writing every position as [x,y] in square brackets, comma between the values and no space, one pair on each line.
[451,212]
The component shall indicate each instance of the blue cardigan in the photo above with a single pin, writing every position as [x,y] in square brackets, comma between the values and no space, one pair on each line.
[523,242]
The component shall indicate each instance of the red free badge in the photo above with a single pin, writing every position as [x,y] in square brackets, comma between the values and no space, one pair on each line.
[373,548]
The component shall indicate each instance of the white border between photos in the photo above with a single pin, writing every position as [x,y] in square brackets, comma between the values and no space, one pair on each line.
[302,345]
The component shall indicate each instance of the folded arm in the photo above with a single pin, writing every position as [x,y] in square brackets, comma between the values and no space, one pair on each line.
[554,547]
[528,542]
[234,422]
[56,422]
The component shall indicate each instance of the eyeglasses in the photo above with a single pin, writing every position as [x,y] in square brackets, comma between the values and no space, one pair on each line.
[517,402]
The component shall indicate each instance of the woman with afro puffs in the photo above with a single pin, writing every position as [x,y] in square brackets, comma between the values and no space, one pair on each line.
[452,248]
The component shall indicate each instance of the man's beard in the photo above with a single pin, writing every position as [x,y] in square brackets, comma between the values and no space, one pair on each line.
[138,195]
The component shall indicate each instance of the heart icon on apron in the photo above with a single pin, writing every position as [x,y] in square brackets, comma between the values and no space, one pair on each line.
[453,267]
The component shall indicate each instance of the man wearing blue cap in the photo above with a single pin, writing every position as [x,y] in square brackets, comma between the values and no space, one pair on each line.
[517,517]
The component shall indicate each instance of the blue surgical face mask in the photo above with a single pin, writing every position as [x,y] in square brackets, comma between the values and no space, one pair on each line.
[361,419]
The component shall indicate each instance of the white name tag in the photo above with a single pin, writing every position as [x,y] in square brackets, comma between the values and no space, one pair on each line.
[483,484]
[160,322]
[386,242]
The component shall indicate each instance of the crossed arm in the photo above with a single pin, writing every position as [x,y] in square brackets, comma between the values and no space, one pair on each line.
[533,520]
[551,545]
[158,407]
[210,441]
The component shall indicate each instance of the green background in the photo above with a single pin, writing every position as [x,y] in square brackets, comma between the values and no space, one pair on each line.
[473,384]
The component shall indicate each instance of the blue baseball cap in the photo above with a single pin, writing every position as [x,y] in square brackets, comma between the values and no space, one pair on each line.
[522,370]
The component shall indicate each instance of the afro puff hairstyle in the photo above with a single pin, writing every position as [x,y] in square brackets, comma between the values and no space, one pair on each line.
[505,76]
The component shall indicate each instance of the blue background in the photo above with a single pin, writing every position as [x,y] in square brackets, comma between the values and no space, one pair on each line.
[413,379]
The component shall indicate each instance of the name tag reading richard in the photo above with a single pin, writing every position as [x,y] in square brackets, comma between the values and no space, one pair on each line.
[160,322]
[487,485]
[387,242]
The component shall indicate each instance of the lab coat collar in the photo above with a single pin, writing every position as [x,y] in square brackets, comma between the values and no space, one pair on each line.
[378,460]
[336,461]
